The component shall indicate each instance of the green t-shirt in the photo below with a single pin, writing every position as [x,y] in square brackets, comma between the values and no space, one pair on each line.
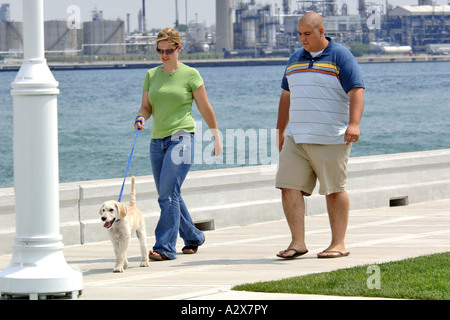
[170,95]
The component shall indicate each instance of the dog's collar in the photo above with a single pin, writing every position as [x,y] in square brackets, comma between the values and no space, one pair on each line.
[117,220]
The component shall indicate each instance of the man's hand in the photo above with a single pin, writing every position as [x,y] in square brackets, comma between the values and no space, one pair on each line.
[351,134]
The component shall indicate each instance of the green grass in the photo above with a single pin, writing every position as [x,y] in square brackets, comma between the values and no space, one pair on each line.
[423,278]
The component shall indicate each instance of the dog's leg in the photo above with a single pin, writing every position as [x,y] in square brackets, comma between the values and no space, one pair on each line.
[119,267]
[121,260]
[141,234]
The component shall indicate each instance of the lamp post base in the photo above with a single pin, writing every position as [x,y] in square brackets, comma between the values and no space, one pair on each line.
[38,269]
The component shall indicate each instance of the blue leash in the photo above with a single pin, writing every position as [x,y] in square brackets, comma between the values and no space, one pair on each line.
[129,160]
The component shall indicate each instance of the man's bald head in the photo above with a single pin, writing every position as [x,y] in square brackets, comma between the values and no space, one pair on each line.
[312,18]
[311,32]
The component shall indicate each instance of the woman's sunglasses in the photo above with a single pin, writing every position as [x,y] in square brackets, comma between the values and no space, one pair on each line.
[168,51]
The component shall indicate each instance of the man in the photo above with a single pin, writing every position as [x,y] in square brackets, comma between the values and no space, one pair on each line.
[320,109]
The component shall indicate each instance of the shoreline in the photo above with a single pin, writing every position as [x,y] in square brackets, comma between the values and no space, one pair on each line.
[220,62]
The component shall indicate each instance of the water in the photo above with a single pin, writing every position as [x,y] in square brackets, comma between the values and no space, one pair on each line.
[407,108]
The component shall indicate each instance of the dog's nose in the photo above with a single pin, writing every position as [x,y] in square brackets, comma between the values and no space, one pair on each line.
[103,218]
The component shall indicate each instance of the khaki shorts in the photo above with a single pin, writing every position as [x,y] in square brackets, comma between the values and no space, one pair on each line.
[301,164]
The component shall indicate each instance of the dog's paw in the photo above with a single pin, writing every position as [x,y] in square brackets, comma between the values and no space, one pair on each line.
[118,269]
[144,263]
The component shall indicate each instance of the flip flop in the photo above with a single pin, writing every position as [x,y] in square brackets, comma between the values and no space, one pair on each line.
[336,254]
[189,249]
[295,255]
[158,256]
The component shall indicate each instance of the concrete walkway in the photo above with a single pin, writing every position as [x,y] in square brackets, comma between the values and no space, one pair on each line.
[246,254]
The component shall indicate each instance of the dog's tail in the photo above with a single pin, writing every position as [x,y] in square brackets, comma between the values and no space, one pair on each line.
[133,193]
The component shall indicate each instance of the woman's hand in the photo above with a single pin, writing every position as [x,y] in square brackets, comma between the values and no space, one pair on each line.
[217,143]
[139,122]
[144,113]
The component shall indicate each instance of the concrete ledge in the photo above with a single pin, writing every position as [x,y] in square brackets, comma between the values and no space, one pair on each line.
[239,196]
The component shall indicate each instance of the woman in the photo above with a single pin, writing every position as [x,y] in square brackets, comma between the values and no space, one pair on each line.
[168,93]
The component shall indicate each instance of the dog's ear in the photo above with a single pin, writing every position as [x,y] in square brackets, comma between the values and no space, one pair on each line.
[100,212]
[121,209]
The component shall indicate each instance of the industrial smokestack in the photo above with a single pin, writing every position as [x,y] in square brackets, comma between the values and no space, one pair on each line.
[224,25]
[176,14]
[128,24]
[286,6]
[144,26]
[362,8]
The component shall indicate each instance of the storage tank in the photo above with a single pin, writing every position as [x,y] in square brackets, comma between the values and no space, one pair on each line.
[271,35]
[104,37]
[59,39]
[224,25]
[250,32]
[396,49]
[11,36]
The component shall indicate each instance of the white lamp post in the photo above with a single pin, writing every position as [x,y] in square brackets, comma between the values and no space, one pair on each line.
[38,267]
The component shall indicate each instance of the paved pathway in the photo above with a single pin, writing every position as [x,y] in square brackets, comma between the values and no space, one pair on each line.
[246,254]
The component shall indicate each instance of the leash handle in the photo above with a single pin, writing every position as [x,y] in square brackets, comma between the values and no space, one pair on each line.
[129,161]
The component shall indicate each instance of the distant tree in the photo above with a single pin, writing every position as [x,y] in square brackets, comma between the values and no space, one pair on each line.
[359,49]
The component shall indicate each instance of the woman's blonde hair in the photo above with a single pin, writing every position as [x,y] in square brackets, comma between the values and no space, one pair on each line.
[170,34]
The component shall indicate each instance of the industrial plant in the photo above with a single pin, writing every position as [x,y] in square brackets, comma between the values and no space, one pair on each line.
[249,28]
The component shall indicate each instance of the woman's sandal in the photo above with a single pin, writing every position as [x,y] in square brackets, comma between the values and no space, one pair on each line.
[333,254]
[189,249]
[295,255]
[154,255]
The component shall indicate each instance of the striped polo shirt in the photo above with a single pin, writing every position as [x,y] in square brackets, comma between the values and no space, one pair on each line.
[319,109]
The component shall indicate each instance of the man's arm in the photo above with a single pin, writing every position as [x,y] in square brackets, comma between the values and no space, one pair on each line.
[356,110]
[283,117]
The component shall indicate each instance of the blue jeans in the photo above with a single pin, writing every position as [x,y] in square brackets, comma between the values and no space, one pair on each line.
[171,159]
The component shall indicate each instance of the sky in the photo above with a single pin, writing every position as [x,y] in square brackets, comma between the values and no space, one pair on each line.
[160,13]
